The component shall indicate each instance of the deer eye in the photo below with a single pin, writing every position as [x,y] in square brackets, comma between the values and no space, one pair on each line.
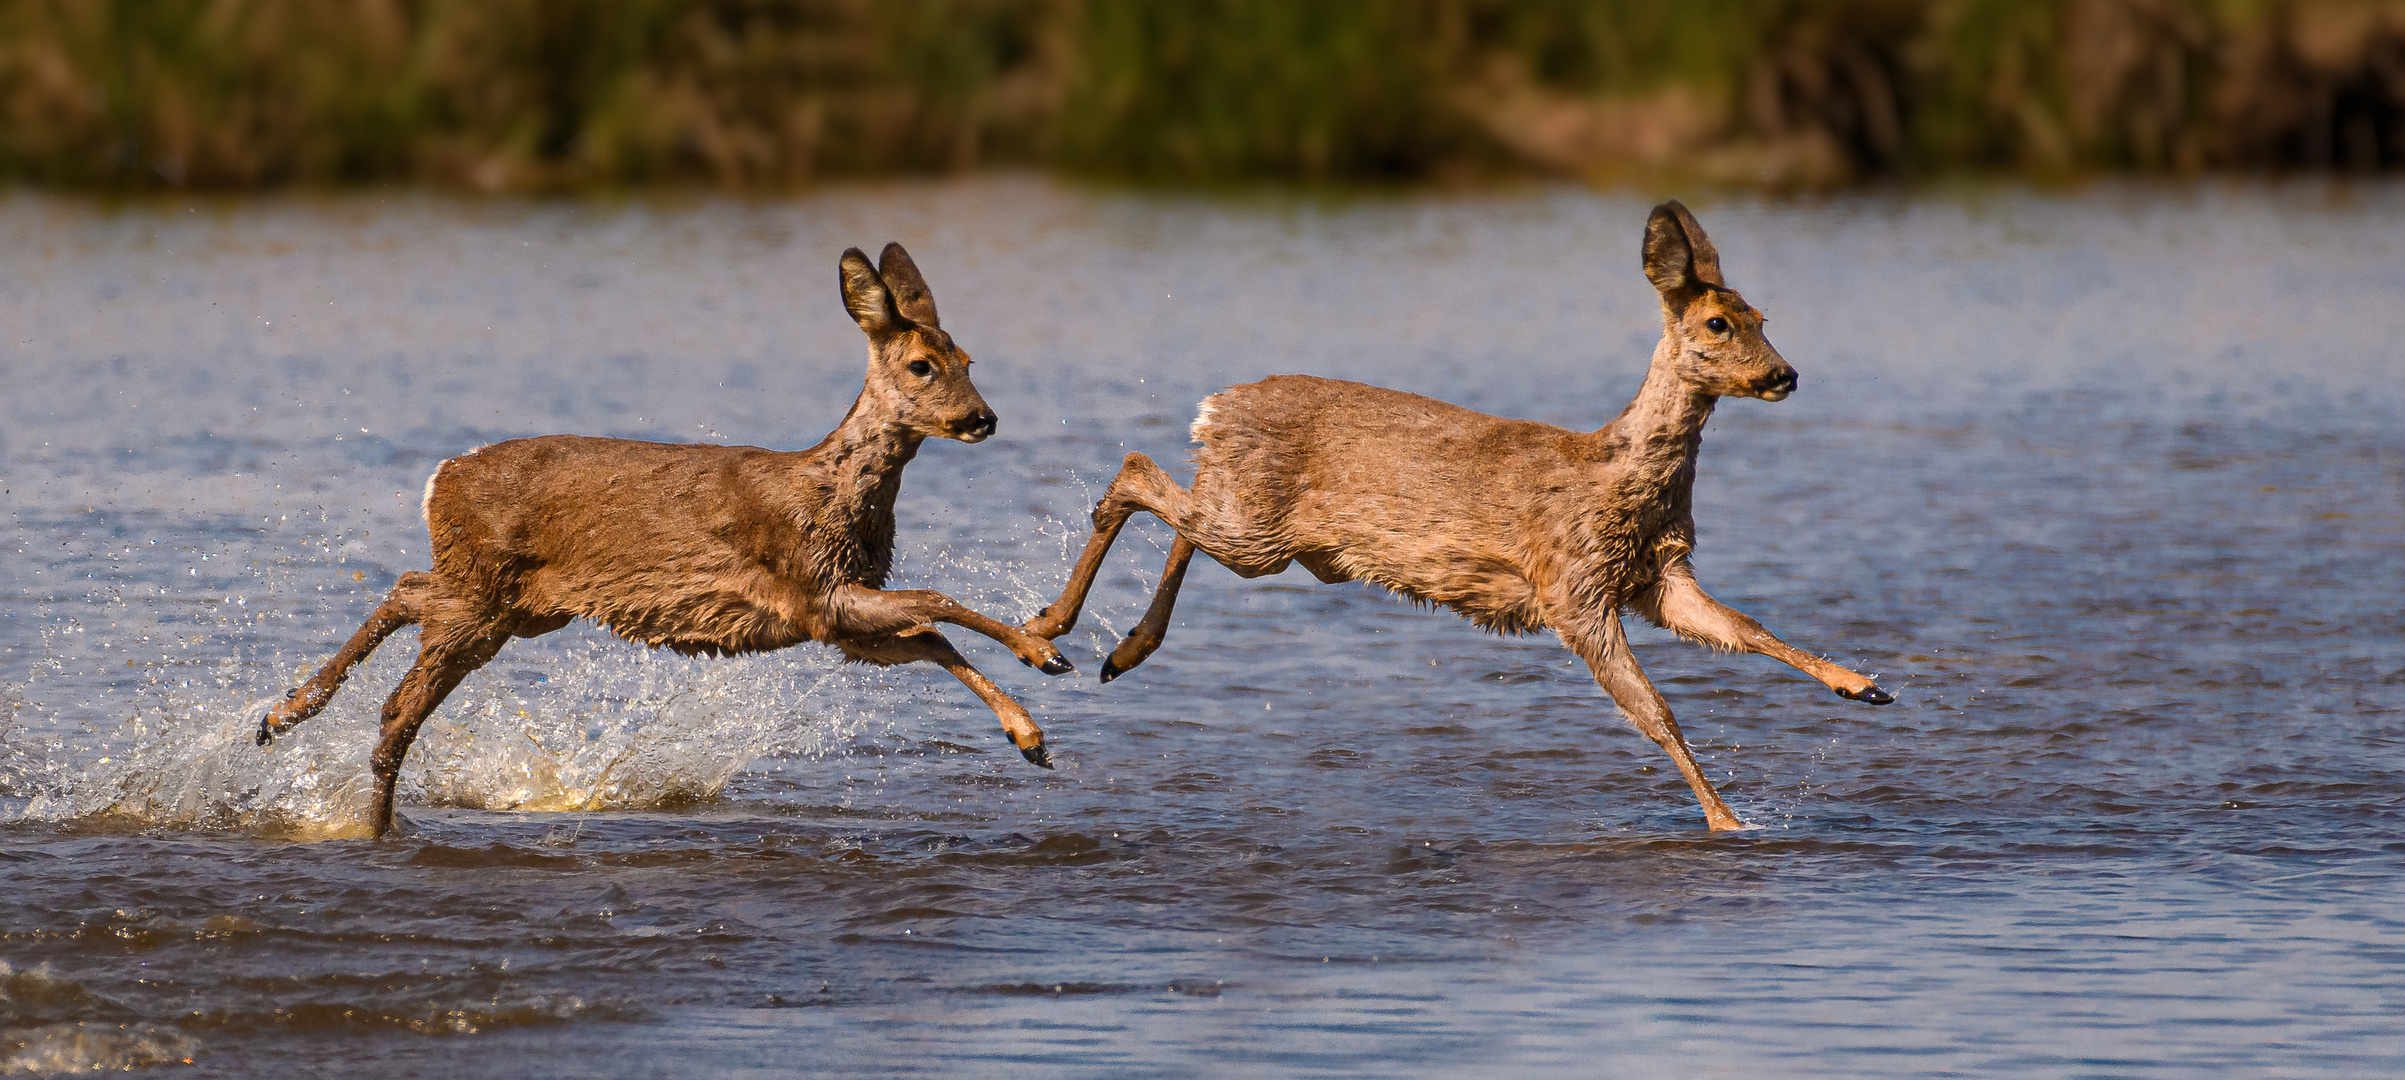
[1717,325]
[921,368]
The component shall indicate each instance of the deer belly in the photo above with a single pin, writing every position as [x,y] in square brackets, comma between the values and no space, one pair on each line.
[1324,566]
[1490,592]
[690,613]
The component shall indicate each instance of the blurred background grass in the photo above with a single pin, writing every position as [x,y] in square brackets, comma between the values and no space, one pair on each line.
[568,94]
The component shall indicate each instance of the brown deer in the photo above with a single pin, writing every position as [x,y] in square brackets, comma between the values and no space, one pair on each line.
[697,548]
[1519,526]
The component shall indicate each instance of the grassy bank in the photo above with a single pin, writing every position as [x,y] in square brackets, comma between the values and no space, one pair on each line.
[547,94]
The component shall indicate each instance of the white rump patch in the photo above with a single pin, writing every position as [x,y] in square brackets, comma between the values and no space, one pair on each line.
[1202,419]
[426,504]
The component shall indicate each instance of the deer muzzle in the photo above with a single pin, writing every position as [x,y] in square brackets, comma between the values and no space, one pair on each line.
[1777,385]
[975,426]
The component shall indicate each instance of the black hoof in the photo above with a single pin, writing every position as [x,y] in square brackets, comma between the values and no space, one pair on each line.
[267,734]
[1058,665]
[1870,694]
[1110,670]
[1037,756]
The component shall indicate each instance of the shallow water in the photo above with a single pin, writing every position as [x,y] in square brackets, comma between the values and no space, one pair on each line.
[2108,487]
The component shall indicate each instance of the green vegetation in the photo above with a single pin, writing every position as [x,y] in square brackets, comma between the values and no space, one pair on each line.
[545,94]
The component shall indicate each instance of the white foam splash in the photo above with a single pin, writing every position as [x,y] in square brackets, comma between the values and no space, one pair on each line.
[588,723]
[46,1029]
[89,1047]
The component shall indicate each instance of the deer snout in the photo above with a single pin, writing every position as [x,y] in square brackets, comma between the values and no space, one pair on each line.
[1776,385]
[975,426]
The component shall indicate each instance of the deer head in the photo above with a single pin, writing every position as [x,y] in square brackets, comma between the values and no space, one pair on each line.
[918,380]
[1720,347]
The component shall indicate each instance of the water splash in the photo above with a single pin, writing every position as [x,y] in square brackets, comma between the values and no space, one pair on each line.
[87,1047]
[585,724]
[50,1025]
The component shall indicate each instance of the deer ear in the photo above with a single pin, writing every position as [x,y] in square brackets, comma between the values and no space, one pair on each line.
[865,295]
[909,289]
[1678,256]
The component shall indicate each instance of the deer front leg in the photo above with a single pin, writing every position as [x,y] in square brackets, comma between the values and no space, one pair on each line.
[925,643]
[866,613]
[1604,646]
[1681,606]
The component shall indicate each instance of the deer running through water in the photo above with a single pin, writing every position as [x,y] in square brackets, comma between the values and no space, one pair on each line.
[702,549]
[1518,526]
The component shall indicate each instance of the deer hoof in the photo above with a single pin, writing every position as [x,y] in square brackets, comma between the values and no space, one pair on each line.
[1870,694]
[1058,665]
[1037,756]
[267,730]
[1110,670]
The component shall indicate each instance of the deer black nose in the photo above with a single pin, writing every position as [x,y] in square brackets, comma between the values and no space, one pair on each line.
[976,425]
[1781,383]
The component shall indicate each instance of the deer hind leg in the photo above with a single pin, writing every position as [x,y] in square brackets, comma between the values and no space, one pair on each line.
[925,643]
[1110,516]
[450,651]
[1604,646]
[403,606]
[1140,485]
[1680,605]
[1148,632]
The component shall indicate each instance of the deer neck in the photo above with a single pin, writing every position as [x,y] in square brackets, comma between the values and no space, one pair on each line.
[854,475]
[1656,438]
[862,460]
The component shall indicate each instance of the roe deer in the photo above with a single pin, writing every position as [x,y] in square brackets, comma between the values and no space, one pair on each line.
[1519,526]
[698,548]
